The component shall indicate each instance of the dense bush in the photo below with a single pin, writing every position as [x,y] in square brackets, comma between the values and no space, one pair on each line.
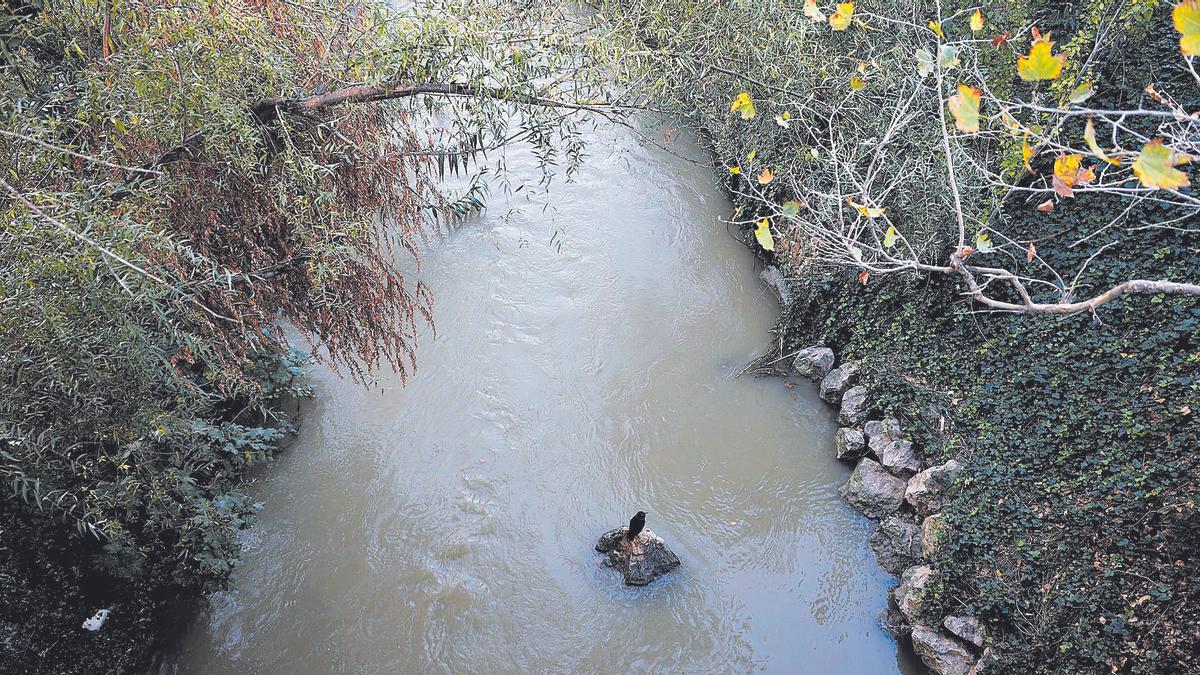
[178,182]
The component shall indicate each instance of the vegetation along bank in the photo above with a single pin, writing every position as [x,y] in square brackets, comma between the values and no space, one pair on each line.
[988,209]
[177,181]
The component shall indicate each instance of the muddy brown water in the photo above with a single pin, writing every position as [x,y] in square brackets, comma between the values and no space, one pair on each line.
[583,369]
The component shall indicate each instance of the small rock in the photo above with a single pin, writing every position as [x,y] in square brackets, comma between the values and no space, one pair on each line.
[892,621]
[927,489]
[881,434]
[942,654]
[909,594]
[854,407]
[896,543]
[642,560]
[849,444]
[933,533]
[899,458]
[775,280]
[968,628]
[814,362]
[96,621]
[895,453]
[986,663]
[838,381]
[872,490]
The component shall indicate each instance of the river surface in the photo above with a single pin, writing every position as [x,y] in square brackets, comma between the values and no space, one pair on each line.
[583,369]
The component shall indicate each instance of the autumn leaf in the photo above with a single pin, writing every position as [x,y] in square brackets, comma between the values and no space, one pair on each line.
[1040,64]
[765,177]
[1089,137]
[790,209]
[857,83]
[890,237]
[1030,251]
[863,276]
[743,105]
[1026,155]
[965,107]
[868,211]
[947,57]
[924,62]
[813,12]
[977,21]
[1081,93]
[762,234]
[735,170]
[1186,17]
[983,243]
[840,20]
[784,119]
[1155,166]
[1012,125]
[751,155]
[936,27]
[1069,172]
[1046,206]
[999,40]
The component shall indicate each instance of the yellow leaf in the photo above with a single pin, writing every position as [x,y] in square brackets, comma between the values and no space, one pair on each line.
[1081,93]
[1155,166]
[735,170]
[977,21]
[1069,172]
[890,237]
[857,82]
[983,243]
[965,107]
[1039,63]
[743,105]
[936,26]
[784,119]
[840,20]
[1089,137]
[1026,155]
[751,155]
[1014,127]
[1186,16]
[868,211]
[765,177]
[813,12]
[762,234]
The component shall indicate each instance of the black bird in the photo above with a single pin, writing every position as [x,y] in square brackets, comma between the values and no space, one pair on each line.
[636,524]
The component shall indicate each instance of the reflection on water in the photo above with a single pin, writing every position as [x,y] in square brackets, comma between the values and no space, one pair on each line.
[447,526]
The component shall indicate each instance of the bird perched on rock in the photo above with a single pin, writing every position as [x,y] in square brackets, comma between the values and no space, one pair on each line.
[636,524]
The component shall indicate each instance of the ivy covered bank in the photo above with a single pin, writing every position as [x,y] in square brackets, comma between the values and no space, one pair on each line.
[951,192]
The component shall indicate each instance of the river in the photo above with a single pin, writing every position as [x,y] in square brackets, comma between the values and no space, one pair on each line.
[583,369]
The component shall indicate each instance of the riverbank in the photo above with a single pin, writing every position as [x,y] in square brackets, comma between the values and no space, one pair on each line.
[1070,530]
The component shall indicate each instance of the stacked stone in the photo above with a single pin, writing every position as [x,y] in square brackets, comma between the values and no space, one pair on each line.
[889,484]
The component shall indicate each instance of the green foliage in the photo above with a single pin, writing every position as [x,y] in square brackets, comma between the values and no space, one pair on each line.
[1075,525]
[162,221]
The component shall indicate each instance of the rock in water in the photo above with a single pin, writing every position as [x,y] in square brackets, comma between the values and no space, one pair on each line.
[872,490]
[896,543]
[837,382]
[854,407]
[849,444]
[944,655]
[813,362]
[642,560]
